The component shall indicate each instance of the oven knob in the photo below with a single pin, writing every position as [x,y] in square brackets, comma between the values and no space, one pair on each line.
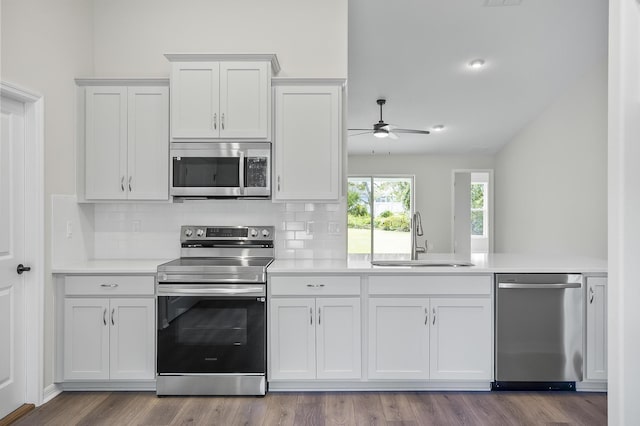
[188,232]
[265,233]
[200,233]
[253,232]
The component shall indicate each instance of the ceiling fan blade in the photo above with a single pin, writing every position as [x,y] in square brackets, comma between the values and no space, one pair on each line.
[387,127]
[361,133]
[393,135]
[414,131]
[362,130]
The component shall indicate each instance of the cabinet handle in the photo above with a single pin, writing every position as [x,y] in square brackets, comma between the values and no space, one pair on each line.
[104,316]
[319,316]
[122,183]
[315,285]
[215,121]
[278,182]
[591,295]
[109,285]
[426,316]
[130,177]
[113,311]
[434,316]
[310,316]
[222,121]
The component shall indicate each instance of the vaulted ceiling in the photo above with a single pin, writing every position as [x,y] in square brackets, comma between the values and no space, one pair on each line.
[415,53]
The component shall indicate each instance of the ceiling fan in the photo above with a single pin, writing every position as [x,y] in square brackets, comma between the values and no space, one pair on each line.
[383,130]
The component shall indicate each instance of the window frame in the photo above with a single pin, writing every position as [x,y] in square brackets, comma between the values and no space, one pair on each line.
[372,178]
[484,210]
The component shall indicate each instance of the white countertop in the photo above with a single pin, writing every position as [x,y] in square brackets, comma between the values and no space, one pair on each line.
[111,266]
[483,264]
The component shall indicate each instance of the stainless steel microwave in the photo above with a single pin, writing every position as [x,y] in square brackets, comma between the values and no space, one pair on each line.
[217,170]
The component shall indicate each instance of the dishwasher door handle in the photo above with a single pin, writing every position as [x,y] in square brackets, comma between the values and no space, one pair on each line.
[539,286]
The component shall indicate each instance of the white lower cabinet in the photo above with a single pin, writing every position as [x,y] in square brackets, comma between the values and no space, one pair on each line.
[430,338]
[460,341]
[430,327]
[108,338]
[315,338]
[398,338]
[596,356]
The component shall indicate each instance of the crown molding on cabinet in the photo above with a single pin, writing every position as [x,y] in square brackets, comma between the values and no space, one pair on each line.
[275,81]
[193,57]
[94,81]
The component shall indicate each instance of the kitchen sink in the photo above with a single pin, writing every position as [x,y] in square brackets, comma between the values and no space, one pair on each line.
[453,264]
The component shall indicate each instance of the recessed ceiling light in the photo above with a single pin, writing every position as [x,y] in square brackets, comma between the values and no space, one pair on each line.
[438,128]
[476,63]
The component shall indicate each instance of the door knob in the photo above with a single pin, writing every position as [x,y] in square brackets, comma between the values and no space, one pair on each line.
[21,268]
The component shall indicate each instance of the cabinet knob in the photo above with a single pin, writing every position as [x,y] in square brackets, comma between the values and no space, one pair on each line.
[215,121]
[122,183]
[222,122]
[130,177]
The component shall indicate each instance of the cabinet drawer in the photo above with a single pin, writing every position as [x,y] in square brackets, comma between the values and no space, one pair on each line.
[308,285]
[430,284]
[109,285]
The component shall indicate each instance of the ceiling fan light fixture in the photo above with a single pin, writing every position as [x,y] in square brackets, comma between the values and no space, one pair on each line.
[477,64]
[381,133]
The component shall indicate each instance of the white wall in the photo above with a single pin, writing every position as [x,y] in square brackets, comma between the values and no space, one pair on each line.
[45,44]
[624,203]
[309,37]
[551,179]
[432,186]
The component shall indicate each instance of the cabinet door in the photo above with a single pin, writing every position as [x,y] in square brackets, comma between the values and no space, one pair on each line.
[245,90]
[86,339]
[148,143]
[132,339]
[398,338]
[461,343]
[338,339]
[293,339]
[307,145]
[596,355]
[195,99]
[105,143]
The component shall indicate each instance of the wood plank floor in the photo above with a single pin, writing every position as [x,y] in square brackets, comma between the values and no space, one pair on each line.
[325,408]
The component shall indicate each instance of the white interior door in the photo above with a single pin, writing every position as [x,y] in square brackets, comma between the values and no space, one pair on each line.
[12,253]
[462,213]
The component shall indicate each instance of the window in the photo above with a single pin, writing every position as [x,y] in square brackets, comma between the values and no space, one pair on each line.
[479,212]
[379,210]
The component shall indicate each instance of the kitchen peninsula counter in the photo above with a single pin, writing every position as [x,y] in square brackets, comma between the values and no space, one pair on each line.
[483,264]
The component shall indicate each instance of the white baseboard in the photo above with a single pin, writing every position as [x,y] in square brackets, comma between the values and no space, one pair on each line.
[319,385]
[50,392]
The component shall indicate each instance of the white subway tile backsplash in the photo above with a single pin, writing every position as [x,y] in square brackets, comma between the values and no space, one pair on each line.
[151,230]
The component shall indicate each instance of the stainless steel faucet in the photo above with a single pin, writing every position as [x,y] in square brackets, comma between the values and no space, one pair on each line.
[416,225]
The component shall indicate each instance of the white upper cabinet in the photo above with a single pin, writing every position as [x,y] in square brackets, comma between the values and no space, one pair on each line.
[221,97]
[125,154]
[308,140]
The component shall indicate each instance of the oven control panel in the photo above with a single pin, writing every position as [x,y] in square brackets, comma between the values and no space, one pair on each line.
[229,233]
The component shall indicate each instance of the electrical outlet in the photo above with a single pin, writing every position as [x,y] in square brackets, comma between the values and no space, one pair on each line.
[69,232]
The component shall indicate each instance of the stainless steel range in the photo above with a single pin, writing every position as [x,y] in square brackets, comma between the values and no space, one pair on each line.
[212,312]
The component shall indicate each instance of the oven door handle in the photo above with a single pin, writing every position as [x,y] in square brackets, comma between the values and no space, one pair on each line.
[210,290]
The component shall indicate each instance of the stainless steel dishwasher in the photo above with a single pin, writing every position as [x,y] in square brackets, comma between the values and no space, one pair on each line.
[539,331]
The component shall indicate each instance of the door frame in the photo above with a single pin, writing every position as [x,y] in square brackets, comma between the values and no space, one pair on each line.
[490,202]
[34,237]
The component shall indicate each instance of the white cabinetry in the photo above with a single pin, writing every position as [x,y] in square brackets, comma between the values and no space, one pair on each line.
[460,343]
[596,356]
[108,328]
[221,96]
[398,338]
[318,336]
[435,327]
[126,140]
[308,139]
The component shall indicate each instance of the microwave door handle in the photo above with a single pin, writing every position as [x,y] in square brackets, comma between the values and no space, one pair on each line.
[241,171]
